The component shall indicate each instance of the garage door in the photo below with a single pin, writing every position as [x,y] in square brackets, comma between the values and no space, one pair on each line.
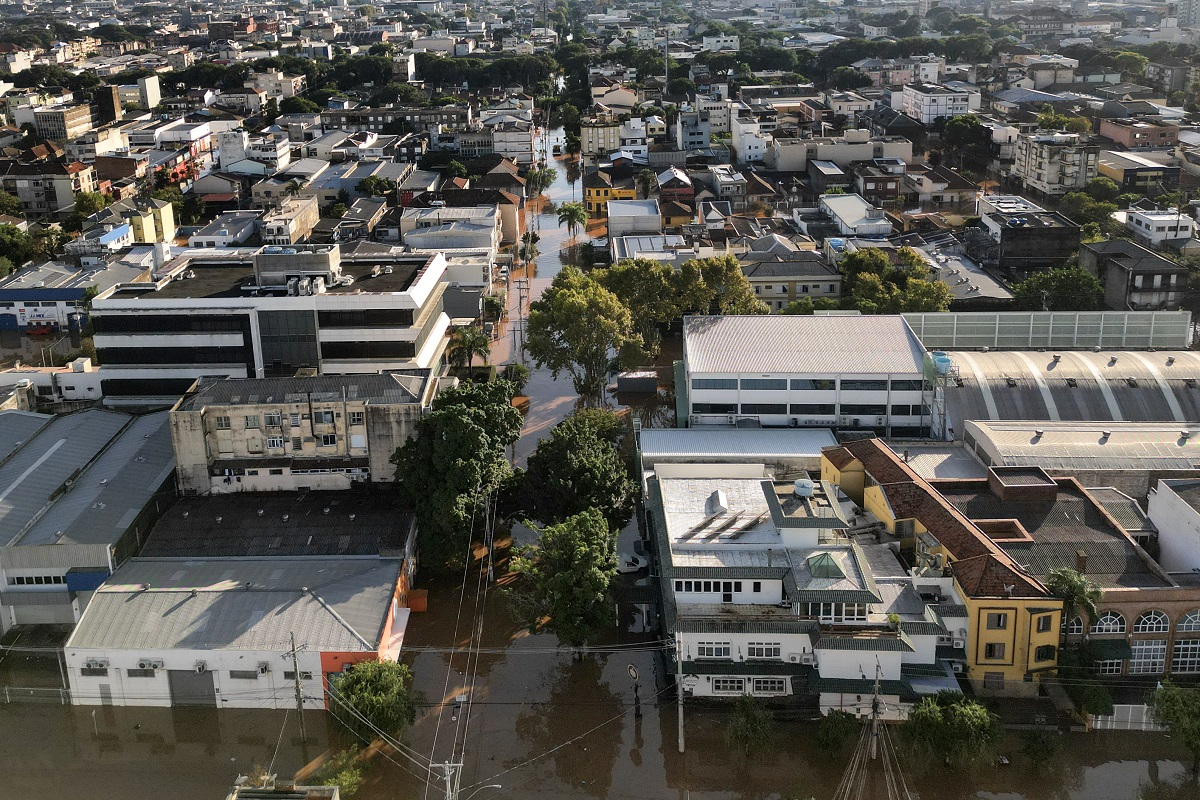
[8,322]
[190,688]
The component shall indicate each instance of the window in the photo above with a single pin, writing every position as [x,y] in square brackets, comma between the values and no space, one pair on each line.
[764,384]
[322,417]
[1152,622]
[356,418]
[1149,656]
[864,408]
[729,685]
[826,409]
[1075,627]
[762,650]
[275,472]
[222,423]
[1186,658]
[757,587]
[1044,653]
[1109,667]
[252,421]
[993,650]
[1190,623]
[291,676]
[853,385]
[94,672]
[770,686]
[714,408]
[139,673]
[294,418]
[764,408]
[997,621]
[273,420]
[712,650]
[1109,622]
[1043,623]
[814,384]
[297,443]
[244,674]
[328,440]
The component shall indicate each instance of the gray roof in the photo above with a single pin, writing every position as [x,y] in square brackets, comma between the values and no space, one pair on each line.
[740,443]
[31,477]
[17,427]
[401,386]
[1083,445]
[874,644]
[833,345]
[105,498]
[344,609]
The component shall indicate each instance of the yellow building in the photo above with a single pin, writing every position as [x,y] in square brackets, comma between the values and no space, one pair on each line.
[150,220]
[601,186]
[1009,631]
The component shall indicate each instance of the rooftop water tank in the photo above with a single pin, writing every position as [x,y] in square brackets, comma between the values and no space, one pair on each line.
[803,487]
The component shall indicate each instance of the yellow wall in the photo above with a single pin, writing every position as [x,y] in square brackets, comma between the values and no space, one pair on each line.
[597,199]
[849,480]
[1019,636]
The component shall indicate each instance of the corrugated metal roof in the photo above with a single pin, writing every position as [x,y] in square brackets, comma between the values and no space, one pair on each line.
[873,644]
[824,345]
[740,443]
[711,625]
[17,427]
[1083,445]
[344,609]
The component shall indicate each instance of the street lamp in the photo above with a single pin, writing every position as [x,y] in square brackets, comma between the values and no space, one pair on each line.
[481,788]
[637,699]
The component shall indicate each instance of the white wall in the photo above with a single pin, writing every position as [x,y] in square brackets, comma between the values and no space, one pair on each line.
[1178,529]
[857,663]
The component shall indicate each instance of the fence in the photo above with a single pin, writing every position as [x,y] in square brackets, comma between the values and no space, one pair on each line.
[36,694]
[1127,718]
[1066,330]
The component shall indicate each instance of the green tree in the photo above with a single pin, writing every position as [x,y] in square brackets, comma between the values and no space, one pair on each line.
[716,285]
[952,727]
[6,266]
[1103,189]
[88,203]
[456,169]
[574,216]
[337,211]
[564,580]
[1179,710]
[1062,289]
[517,374]
[850,78]
[576,327]
[10,205]
[298,105]
[578,467]
[835,730]
[648,288]
[15,244]
[750,725]
[1079,125]
[680,86]
[344,770]
[1079,595]
[647,179]
[1132,65]
[375,186]
[539,179]
[872,284]
[1091,232]
[457,458]
[375,697]
[465,344]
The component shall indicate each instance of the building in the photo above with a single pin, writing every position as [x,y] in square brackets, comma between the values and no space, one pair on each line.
[1174,510]
[1007,624]
[1163,230]
[600,186]
[47,187]
[784,274]
[268,312]
[381,120]
[1022,238]
[292,222]
[150,220]
[1136,173]
[929,103]
[846,372]
[792,155]
[599,135]
[63,123]
[626,217]
[713,44]
[1054,164]
[766,594]
[287,434]
[81,493]
[674,185]
[514,140]
[1134,278]
[693,131]
[229,229]
[854,216]
[53,296]
[277,84]
[217,631]
[1139,132]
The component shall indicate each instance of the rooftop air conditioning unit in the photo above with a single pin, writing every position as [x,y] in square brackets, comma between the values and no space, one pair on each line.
[957,667]
[960,644]
[148,664]
[264,667]
[807,658]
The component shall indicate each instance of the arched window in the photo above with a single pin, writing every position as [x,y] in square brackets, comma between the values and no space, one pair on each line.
[1075,626]
[1109,622]
[1152,622]
[1189,623]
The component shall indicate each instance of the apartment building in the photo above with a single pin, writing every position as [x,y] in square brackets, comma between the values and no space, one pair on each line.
[792,155]
[1162,230]
[292,222]
[1053,164]
[46,187]
[419,120]
[929,103]
[268,312]
[63,123]
[1140,132]
[1134,278]
[853,373]
[325,432]
[1022,237]
[599,136]
[276,83]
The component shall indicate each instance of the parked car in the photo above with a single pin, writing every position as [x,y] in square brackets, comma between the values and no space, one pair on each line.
[628,563]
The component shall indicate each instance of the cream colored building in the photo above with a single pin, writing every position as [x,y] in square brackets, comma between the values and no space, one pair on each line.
[599,136]
[292,222]
[323,432]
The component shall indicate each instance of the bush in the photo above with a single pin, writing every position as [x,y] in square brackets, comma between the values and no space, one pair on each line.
[517,375]
[1091,697]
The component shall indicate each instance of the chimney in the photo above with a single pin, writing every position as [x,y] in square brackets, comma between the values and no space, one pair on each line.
[770,554]
[1081,560]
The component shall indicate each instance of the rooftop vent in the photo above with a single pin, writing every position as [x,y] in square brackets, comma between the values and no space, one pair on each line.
[1057,358]
[717,502]
[1039,433]
[1185,434]
[1170,360]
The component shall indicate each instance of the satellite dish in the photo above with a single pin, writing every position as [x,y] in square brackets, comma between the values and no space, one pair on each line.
[633,673]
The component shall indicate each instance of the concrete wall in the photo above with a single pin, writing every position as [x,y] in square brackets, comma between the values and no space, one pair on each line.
[1178,529]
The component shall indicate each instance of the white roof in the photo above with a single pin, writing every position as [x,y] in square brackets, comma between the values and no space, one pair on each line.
[841,345]
[1083,445]
[789,443]
[632,208]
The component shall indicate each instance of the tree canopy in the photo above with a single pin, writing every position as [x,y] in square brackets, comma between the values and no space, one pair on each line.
[872,284]
[1062,289]
[375,696]
[1179,709]
[951,726]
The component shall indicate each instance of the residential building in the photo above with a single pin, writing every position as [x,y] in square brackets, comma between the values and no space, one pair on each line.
[63,123]
[929,103]
[626,217]
[853,373]
[268,312]
[1134,278]
[940,187]
[600,186]
[418,120]
[1134,172]
[1139,132]
[792,155]
[136,645]
[1022,238]
[783,274]
[674,185]
[713,44]
[151,221]
[82,491]
[849,214]
[229,229]
[1053,164]
[326,432]
[514,141]
[693,131]
[291,222]
[1163,230]
[46,187]
[886,71]
[880,180]
[276,84]
[749,140]
[599,135]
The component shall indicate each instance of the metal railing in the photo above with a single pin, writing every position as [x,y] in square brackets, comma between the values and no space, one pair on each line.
[36,694]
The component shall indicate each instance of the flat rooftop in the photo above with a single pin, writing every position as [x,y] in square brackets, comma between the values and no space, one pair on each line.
[16,427]
[810,345]
[661,444]
[115,463]
[282,524]
[337,604]
[400,386]
[1081,445]
[1035,219]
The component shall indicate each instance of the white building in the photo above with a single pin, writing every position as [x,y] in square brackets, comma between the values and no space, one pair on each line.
[1158,228]
[276,84]
[854,216]
[846,372]
[749,141]
[928,102]
[627,217]
[1054,163]
[713,44]
[217,632]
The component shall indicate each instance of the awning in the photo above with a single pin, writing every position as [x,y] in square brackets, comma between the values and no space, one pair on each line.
[1109,649]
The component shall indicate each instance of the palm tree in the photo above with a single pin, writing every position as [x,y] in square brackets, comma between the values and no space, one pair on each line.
[574,216]
[465,344]
[647,178]
[1079,594]
[293,187]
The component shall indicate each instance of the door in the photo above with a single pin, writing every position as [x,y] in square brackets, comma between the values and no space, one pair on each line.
[190,688]
[8,322]
[106,694]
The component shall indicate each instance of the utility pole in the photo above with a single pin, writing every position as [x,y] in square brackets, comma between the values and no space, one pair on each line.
[449,778]
[679,683]
[876,710]
[299,690]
